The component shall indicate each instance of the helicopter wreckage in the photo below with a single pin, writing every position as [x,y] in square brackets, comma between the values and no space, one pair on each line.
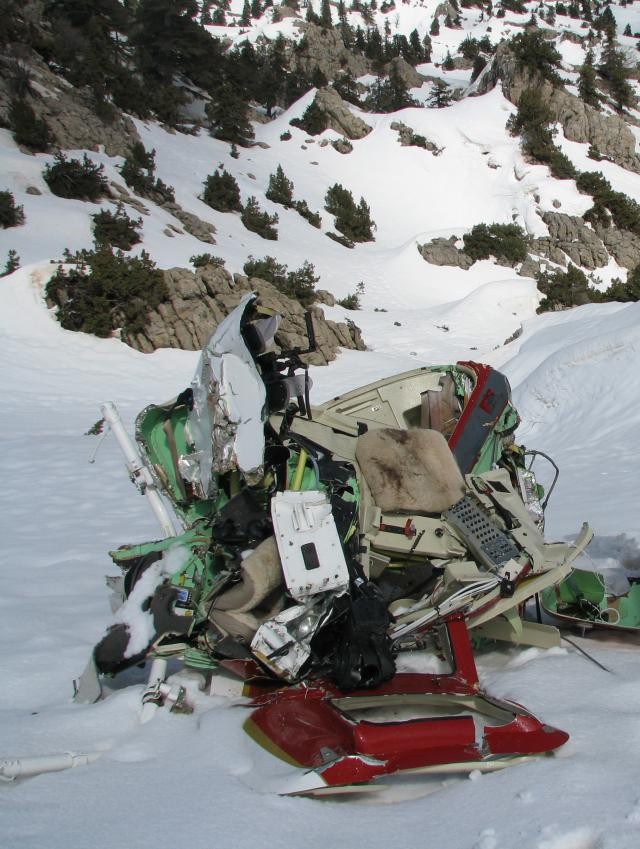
[318,554]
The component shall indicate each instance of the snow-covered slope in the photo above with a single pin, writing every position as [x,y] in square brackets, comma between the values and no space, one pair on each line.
[199,779]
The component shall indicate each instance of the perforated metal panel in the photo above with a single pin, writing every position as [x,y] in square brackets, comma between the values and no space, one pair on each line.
[490,544]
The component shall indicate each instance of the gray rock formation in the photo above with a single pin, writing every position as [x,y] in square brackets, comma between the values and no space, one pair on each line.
[69,113]
[580,122]
[579,242]
[199,301]
[342,146]
[445,252]
[622,245]
[407,73]
[338,115]
[323,49]
[194,225]
[408,138]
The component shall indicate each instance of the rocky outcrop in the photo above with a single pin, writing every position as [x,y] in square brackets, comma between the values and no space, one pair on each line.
[194,225]
[445,252]
[622,245]
[69,112]
[408,138]
[324,50]
[570,234]
[580,122]
[338,116]
[407,73]
[198,302]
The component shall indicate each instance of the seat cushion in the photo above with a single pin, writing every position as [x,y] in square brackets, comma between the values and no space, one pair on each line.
[409,471]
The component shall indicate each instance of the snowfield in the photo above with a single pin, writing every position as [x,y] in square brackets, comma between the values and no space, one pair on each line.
[199,780]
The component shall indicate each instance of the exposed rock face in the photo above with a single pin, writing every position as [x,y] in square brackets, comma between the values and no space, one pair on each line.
[580,122]
[199,301]
[579,242]
[339,118]
[445,252]
[194,225]
[622,245]
[70,114]
[324,49]
[407,73]
[445,9]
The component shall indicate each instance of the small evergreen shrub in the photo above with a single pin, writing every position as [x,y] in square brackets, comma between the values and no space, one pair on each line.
[302,208]
[116,229]
[10,214]
[625,292]
[532,121]
[102,291]
[280,188]
[71,178]
[221,192]
[536,53]
[503,241]
[299,284]
[563,289]
[28,130]
[201,260]
[341,240]
[353,221]
[12,264]
[138,172]
[259,221]
[314,121]
[624,211]
[286,136]
[350,302]
[280,191]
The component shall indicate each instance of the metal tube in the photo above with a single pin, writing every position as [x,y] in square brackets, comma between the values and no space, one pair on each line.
[12,768]
[153,697]
[139,472]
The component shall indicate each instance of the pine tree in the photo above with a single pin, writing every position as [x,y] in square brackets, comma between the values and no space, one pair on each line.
[416,51]
[435,27]
[280,188]
[245,17]
[27,128]
[606,23]
[613,70]
[587,82]
[389,95]
[259,221]
[325,14]
[313,121]
[533,51]
[353,221]
[228,114]
[221,192]
[440,96]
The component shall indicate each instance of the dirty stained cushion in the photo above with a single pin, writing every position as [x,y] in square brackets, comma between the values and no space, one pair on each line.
[260,575]
[409,471]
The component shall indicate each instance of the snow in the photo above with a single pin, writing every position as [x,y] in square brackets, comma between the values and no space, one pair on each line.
[200,779]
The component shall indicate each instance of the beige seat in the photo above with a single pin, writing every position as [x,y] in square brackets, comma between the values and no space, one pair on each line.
[409,471]
[258,595]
